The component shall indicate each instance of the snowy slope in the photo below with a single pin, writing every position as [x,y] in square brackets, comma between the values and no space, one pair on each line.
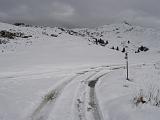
[57,74]
[119,35]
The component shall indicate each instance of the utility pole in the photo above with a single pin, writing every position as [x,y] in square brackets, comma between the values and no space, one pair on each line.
[126,57]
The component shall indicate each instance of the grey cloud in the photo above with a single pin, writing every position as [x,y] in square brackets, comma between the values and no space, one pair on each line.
[80,12]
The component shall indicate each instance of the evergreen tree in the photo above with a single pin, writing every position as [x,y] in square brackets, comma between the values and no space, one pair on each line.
[124,50]
[117,48]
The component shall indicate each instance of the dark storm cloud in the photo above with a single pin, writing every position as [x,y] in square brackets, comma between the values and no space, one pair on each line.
[81,12]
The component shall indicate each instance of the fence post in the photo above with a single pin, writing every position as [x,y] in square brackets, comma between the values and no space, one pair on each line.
[126,57]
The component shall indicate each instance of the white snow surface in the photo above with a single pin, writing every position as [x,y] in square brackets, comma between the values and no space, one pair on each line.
[68,78]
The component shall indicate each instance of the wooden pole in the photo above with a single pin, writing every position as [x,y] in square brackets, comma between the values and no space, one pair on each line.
[126,57]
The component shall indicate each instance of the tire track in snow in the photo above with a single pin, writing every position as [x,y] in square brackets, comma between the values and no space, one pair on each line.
[43,110]
[93,102]
[80,98]
[45,107]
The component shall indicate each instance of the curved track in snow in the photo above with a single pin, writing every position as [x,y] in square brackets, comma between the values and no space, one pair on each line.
[42,111]
[84,103]
[93,102]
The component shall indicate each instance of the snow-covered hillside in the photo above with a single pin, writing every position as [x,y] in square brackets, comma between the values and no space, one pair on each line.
[123,35]
[70,74]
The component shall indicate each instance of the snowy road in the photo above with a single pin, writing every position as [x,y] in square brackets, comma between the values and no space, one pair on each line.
[74,98]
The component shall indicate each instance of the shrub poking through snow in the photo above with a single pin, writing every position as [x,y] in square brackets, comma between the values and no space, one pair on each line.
[112,47]
[152,97]
[19,24]
[50,96]
[140,98]
[142,48]
[10,35]
[53,35]
[3,41]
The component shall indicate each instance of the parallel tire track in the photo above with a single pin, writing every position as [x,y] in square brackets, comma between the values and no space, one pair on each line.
[80,98]
[45,107]
[43,110]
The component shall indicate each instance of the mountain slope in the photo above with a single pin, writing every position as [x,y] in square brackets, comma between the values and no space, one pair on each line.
[123,35]
[64,74]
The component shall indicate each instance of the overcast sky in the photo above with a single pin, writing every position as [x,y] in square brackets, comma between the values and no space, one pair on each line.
[85,13]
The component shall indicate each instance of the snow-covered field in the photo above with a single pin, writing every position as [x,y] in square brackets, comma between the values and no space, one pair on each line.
[66,77]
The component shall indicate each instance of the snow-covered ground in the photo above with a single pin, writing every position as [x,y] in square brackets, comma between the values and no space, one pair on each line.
[44,77]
